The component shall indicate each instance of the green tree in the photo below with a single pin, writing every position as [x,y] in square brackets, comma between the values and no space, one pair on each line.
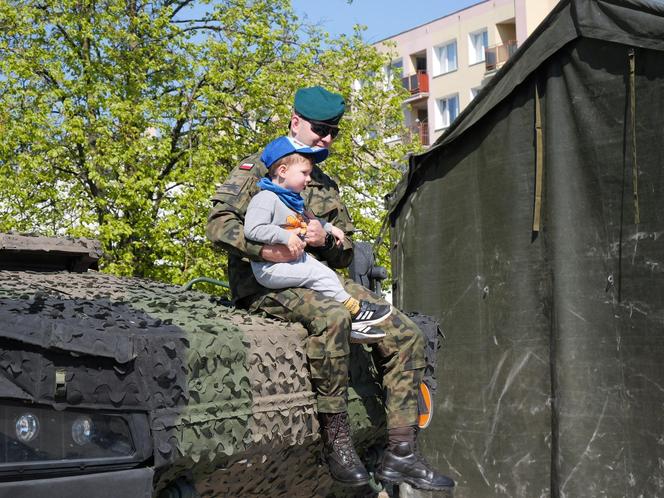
[118,117]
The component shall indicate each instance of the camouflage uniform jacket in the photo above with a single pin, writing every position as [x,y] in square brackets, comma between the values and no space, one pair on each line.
[225,227]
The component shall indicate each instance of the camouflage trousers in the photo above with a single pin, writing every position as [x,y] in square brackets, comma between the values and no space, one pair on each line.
[399,356]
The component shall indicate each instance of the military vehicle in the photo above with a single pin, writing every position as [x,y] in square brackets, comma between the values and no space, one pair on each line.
[124,387]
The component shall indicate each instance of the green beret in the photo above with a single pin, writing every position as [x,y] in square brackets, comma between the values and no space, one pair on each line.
[318,104]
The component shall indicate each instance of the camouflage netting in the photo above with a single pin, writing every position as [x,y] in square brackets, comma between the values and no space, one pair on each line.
[227,393]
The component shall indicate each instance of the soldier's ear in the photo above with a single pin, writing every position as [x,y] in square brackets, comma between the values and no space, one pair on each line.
[294,125]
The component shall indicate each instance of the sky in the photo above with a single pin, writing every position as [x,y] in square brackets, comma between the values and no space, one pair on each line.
[383,18]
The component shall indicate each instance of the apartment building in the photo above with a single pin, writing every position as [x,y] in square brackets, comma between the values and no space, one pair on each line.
[445,62]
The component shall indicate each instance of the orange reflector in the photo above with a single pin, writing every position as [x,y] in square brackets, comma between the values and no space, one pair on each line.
[425,416]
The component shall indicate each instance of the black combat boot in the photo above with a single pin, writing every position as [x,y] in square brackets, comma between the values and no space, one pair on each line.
[402,463]
[342,460]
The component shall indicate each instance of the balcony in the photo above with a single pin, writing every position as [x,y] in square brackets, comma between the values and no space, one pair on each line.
[417,84]
[498,55]
[418,131]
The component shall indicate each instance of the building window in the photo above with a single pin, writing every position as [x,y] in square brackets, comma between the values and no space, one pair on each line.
[477,44]
[444,58]
[392,71]
[447,109]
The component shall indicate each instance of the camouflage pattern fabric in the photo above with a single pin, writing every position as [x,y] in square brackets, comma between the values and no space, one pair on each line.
[328,346]
[400,356]
[225,226]
[230,405]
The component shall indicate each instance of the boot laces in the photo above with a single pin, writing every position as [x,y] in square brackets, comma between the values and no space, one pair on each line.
[341,440]
[420,458]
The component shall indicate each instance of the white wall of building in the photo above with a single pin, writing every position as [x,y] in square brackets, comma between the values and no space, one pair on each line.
[453,47]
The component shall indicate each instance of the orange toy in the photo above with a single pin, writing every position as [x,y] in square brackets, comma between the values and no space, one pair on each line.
[297,223]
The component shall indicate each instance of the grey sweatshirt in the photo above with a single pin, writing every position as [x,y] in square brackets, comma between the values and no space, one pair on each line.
[264,215]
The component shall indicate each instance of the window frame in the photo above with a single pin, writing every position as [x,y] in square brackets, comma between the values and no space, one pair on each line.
[389,71]
[472,52]
[440,117]
[437,60]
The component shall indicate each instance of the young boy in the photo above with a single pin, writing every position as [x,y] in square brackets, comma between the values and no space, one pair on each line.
[277,215]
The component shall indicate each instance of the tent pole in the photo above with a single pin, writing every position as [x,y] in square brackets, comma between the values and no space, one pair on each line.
[539,163]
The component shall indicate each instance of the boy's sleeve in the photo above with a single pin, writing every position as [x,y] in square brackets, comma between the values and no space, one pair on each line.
[327,226]
[259,221]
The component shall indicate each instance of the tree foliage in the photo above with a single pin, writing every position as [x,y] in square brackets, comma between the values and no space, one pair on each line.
[118,117]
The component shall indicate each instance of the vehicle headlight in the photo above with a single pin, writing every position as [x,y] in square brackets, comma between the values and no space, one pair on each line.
[27,427]
[38,437]
[82,430]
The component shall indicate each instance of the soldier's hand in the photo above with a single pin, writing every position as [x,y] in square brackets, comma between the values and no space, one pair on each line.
[315,235]
[339,235]
[296,246]
[278,253]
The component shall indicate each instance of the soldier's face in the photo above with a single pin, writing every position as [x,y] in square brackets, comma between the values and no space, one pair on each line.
[295,177]
[301,131]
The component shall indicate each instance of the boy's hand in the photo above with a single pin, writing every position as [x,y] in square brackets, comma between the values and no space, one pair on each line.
[338,234]
[296,245]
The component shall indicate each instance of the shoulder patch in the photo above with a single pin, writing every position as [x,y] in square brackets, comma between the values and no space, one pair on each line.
[236,183]
[229,188]
[246,166]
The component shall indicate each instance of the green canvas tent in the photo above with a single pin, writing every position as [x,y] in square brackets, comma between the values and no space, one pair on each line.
[534,230]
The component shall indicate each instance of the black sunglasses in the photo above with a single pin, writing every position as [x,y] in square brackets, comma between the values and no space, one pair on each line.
[322,129]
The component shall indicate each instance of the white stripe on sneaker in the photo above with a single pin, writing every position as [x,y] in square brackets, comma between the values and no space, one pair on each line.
[363,320]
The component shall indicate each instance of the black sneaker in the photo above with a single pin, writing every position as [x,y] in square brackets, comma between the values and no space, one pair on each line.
[370,314]
[366,335]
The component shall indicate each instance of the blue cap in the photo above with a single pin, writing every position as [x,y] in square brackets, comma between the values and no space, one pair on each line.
[285,146]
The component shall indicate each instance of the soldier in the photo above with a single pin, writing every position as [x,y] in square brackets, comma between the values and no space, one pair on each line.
[315,123]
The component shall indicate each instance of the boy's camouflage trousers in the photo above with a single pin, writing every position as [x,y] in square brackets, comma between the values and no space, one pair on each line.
[400,355]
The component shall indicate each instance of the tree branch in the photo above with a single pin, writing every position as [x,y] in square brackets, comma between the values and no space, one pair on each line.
[180,6]
[69,40]
[177,129]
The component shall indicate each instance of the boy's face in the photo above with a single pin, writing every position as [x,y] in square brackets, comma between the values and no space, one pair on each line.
[295,177]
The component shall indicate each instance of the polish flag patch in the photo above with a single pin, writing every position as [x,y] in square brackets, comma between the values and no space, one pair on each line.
[246,166]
